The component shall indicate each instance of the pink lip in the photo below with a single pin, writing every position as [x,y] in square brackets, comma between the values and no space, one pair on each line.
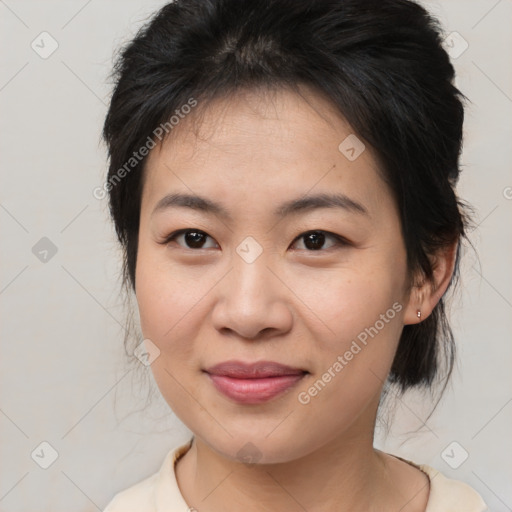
[253,383]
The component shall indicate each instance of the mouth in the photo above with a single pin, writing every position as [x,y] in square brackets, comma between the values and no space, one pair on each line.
[253,383]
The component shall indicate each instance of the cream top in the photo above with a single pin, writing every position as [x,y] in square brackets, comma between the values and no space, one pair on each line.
[160,491]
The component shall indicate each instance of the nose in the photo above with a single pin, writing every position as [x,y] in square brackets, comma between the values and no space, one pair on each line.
[252,301]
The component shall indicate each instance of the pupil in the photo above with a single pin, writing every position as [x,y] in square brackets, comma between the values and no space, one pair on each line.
[310,239]
[193,239]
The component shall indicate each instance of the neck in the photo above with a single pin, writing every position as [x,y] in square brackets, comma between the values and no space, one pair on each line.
[346,474]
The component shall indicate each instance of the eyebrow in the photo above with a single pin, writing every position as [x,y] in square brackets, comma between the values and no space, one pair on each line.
[294,206]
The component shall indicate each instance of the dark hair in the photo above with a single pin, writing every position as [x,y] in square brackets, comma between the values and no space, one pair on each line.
[382,65]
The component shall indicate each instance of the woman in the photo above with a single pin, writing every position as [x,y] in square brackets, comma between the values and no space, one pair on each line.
[282,184]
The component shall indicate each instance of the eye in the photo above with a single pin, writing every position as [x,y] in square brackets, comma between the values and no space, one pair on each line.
[314,240]
[193,238]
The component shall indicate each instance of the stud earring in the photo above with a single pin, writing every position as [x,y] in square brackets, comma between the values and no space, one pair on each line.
[419,313]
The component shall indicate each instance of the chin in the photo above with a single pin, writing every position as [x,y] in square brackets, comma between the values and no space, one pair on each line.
[260,446]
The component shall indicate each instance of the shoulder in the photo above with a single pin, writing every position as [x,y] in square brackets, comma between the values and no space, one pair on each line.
[137,498]
[157,492]
[448,495]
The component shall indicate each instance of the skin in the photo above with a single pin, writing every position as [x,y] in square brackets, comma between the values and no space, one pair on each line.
[293,304]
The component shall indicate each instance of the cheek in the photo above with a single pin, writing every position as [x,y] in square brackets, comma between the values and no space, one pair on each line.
[359,310]
[168,304]
[166,297]
[351,365]
[347,300]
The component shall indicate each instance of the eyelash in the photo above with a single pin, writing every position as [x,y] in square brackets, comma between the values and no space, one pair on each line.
[340,241]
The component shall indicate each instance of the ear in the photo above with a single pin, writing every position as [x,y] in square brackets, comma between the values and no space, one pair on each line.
[425,295]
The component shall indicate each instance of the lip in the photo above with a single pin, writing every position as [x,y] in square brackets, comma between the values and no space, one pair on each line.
[253,383]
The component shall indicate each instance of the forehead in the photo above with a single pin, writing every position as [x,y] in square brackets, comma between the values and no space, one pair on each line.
[263,146]
[280,119]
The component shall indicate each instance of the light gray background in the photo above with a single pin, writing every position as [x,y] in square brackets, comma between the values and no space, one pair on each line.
[64,376]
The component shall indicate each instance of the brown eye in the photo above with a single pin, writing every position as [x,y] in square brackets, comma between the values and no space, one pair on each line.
[192,238]
[315,240]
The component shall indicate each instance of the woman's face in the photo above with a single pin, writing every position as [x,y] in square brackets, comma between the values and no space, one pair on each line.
[249,283]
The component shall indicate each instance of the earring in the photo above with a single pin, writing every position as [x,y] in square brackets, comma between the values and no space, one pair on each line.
[419,313]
